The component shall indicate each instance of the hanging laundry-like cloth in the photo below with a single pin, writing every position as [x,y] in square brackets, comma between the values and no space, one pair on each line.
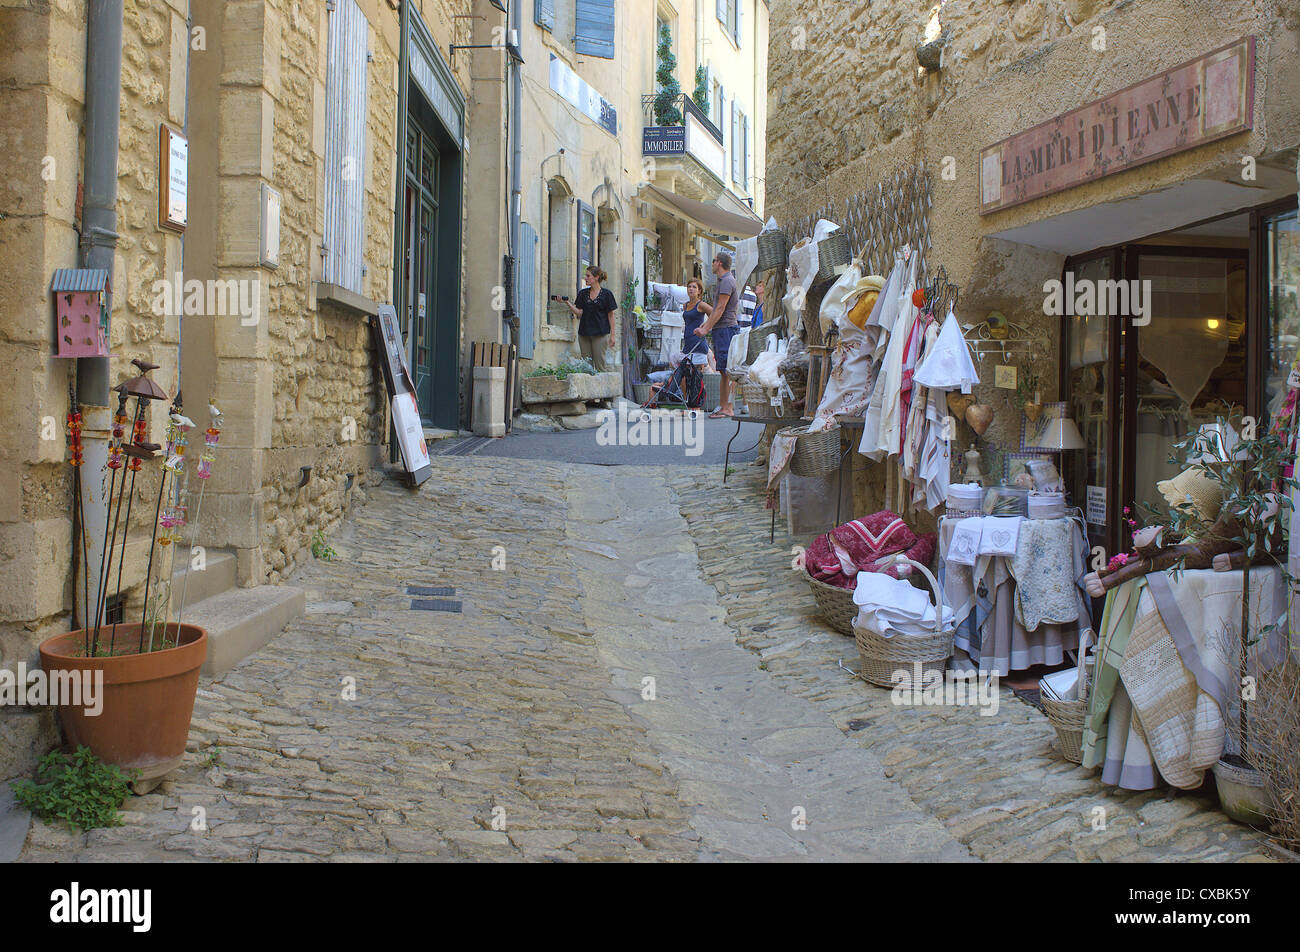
[877,331]
[891,427]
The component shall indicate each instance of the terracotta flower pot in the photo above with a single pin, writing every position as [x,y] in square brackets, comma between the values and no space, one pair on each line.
[147,699]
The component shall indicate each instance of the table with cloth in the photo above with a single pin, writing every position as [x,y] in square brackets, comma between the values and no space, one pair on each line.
[1164,703]
[1024,607]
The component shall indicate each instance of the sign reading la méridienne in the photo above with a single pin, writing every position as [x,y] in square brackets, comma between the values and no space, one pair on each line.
[663,140]
[1181,108]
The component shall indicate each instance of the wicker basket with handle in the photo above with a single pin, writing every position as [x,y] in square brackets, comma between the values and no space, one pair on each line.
[815,454]
[833,252]
[1069,717]
[773,250]
[834,604]
[882,657]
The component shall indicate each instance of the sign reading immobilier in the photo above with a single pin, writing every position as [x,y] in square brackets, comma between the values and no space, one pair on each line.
[1181,108]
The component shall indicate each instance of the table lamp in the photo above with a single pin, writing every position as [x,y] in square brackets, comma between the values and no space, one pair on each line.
[1060,434]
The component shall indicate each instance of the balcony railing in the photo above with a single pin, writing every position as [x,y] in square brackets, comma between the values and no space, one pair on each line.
[683,104]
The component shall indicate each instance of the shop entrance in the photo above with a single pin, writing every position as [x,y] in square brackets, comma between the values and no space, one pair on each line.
[431,256]
[1209,330]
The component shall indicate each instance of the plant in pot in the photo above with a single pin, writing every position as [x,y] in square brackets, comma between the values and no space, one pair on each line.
[143,674]
[1254,478]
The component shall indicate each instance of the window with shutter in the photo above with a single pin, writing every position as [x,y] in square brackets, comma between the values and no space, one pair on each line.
[594,28]
[737,147]
[745,153]
[544,14]
[740,19]
[345,145]
[526,288]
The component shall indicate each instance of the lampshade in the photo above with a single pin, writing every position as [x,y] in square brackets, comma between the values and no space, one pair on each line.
[1060,434]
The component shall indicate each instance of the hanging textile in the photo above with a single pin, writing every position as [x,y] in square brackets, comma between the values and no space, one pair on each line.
[849,386]
[888,440]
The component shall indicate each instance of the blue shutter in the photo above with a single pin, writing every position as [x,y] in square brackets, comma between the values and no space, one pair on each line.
[525,288]
[544,14]
[722,11]
[345,146]
[736,145]
[740,21]
[595,28]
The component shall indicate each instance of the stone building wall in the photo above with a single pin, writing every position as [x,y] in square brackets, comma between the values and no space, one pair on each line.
[849,104]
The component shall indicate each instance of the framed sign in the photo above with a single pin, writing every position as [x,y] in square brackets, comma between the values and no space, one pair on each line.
[173,178]
[401,394]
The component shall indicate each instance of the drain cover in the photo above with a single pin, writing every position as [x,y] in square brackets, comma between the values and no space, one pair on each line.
[429,590]
[434,605]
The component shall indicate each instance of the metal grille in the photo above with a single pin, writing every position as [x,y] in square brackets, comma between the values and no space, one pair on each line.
[345,146]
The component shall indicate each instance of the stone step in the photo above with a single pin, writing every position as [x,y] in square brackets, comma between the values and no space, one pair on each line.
[217,575]
[241,620]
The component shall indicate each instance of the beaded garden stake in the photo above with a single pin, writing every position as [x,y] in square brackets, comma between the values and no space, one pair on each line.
[178,426]
[204,472]
[75,460]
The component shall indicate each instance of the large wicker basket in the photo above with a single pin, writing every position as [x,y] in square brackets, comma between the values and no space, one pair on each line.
[834,604]
[882,657]
[773,250]
[1069,717]
[833,252]
[815,454]
[755,396]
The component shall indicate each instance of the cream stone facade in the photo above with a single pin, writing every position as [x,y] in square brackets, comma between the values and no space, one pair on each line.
[850,103]
[582,173]
[297,376]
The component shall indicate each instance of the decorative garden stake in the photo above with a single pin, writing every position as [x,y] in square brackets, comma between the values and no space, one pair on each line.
[114,464]
[210,437]
[75,460]
[177,425]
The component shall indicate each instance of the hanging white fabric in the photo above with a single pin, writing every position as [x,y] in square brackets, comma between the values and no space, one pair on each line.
[947,365]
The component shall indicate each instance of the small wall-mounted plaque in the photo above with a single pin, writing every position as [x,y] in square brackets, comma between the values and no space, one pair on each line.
[173,178]
[270,242]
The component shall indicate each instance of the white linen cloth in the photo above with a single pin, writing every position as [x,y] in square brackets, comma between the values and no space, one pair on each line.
[835,302]
[879,327]
[848,386]
[947,364]
[888,440]
[964,548]
[999,535]
[674,328]
[892,606]
[799,278]
[746,259]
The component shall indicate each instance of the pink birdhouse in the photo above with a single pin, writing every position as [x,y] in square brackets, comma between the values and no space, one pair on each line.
[80,312]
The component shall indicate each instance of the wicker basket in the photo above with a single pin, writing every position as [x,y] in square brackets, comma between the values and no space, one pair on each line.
[815,454]
[758,342]
[833,252]
[834,604]
[640,392]
[712,388]
[773,250]
[1069,717]
[881,657]
[755,396]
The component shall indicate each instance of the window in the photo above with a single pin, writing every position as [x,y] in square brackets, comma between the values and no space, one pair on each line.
[345,146]
[729,15]
[594,28]
[544,14]
[559,250]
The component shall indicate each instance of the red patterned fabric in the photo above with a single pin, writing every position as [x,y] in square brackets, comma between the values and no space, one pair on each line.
[837,556]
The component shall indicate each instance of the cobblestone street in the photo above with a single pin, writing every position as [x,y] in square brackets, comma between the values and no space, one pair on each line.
[640,677]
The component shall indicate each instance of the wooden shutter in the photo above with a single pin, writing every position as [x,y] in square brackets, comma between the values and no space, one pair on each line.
[544,14]
[526,288]
[740,16]
[722,11]
[737,147]
[594,35]
[345,145]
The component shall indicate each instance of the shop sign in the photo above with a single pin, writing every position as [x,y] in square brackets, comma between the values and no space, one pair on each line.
[663,140]
[574,89]
[1182,108]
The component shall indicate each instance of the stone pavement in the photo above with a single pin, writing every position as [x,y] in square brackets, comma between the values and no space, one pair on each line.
[996,783]
[640,677]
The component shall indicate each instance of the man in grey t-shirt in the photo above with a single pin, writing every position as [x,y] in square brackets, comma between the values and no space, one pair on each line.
[723,325]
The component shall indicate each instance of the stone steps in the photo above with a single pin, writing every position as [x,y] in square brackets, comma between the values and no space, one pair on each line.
[217,575]
[242,620]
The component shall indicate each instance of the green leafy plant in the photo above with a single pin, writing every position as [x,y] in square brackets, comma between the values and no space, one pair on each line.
[564,369]
[666,111]
[80,790]
[321,549]
[213,758]
[701,94]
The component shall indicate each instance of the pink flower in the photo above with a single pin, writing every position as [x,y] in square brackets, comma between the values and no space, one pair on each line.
[1117,561]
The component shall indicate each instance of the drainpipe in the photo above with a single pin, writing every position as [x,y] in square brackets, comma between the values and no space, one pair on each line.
[516,128]
[98,250]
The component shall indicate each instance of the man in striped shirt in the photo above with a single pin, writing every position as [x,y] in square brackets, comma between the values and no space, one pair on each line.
[748,301]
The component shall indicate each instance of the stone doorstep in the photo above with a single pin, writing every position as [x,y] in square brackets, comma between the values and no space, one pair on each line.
[218,575]
[567,408]
[241,620]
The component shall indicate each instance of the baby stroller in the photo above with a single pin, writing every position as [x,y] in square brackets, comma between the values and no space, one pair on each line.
[684,386]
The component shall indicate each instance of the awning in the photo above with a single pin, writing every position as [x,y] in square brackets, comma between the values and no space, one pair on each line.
[710,216]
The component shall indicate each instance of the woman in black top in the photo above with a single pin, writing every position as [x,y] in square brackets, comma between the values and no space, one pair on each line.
[593,308]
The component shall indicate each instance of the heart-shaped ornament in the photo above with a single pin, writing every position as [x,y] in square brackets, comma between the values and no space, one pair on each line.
[958,402]
[1033,411]
[979,416]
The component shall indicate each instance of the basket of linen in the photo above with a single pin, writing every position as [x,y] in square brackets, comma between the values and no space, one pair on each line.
[900,632]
